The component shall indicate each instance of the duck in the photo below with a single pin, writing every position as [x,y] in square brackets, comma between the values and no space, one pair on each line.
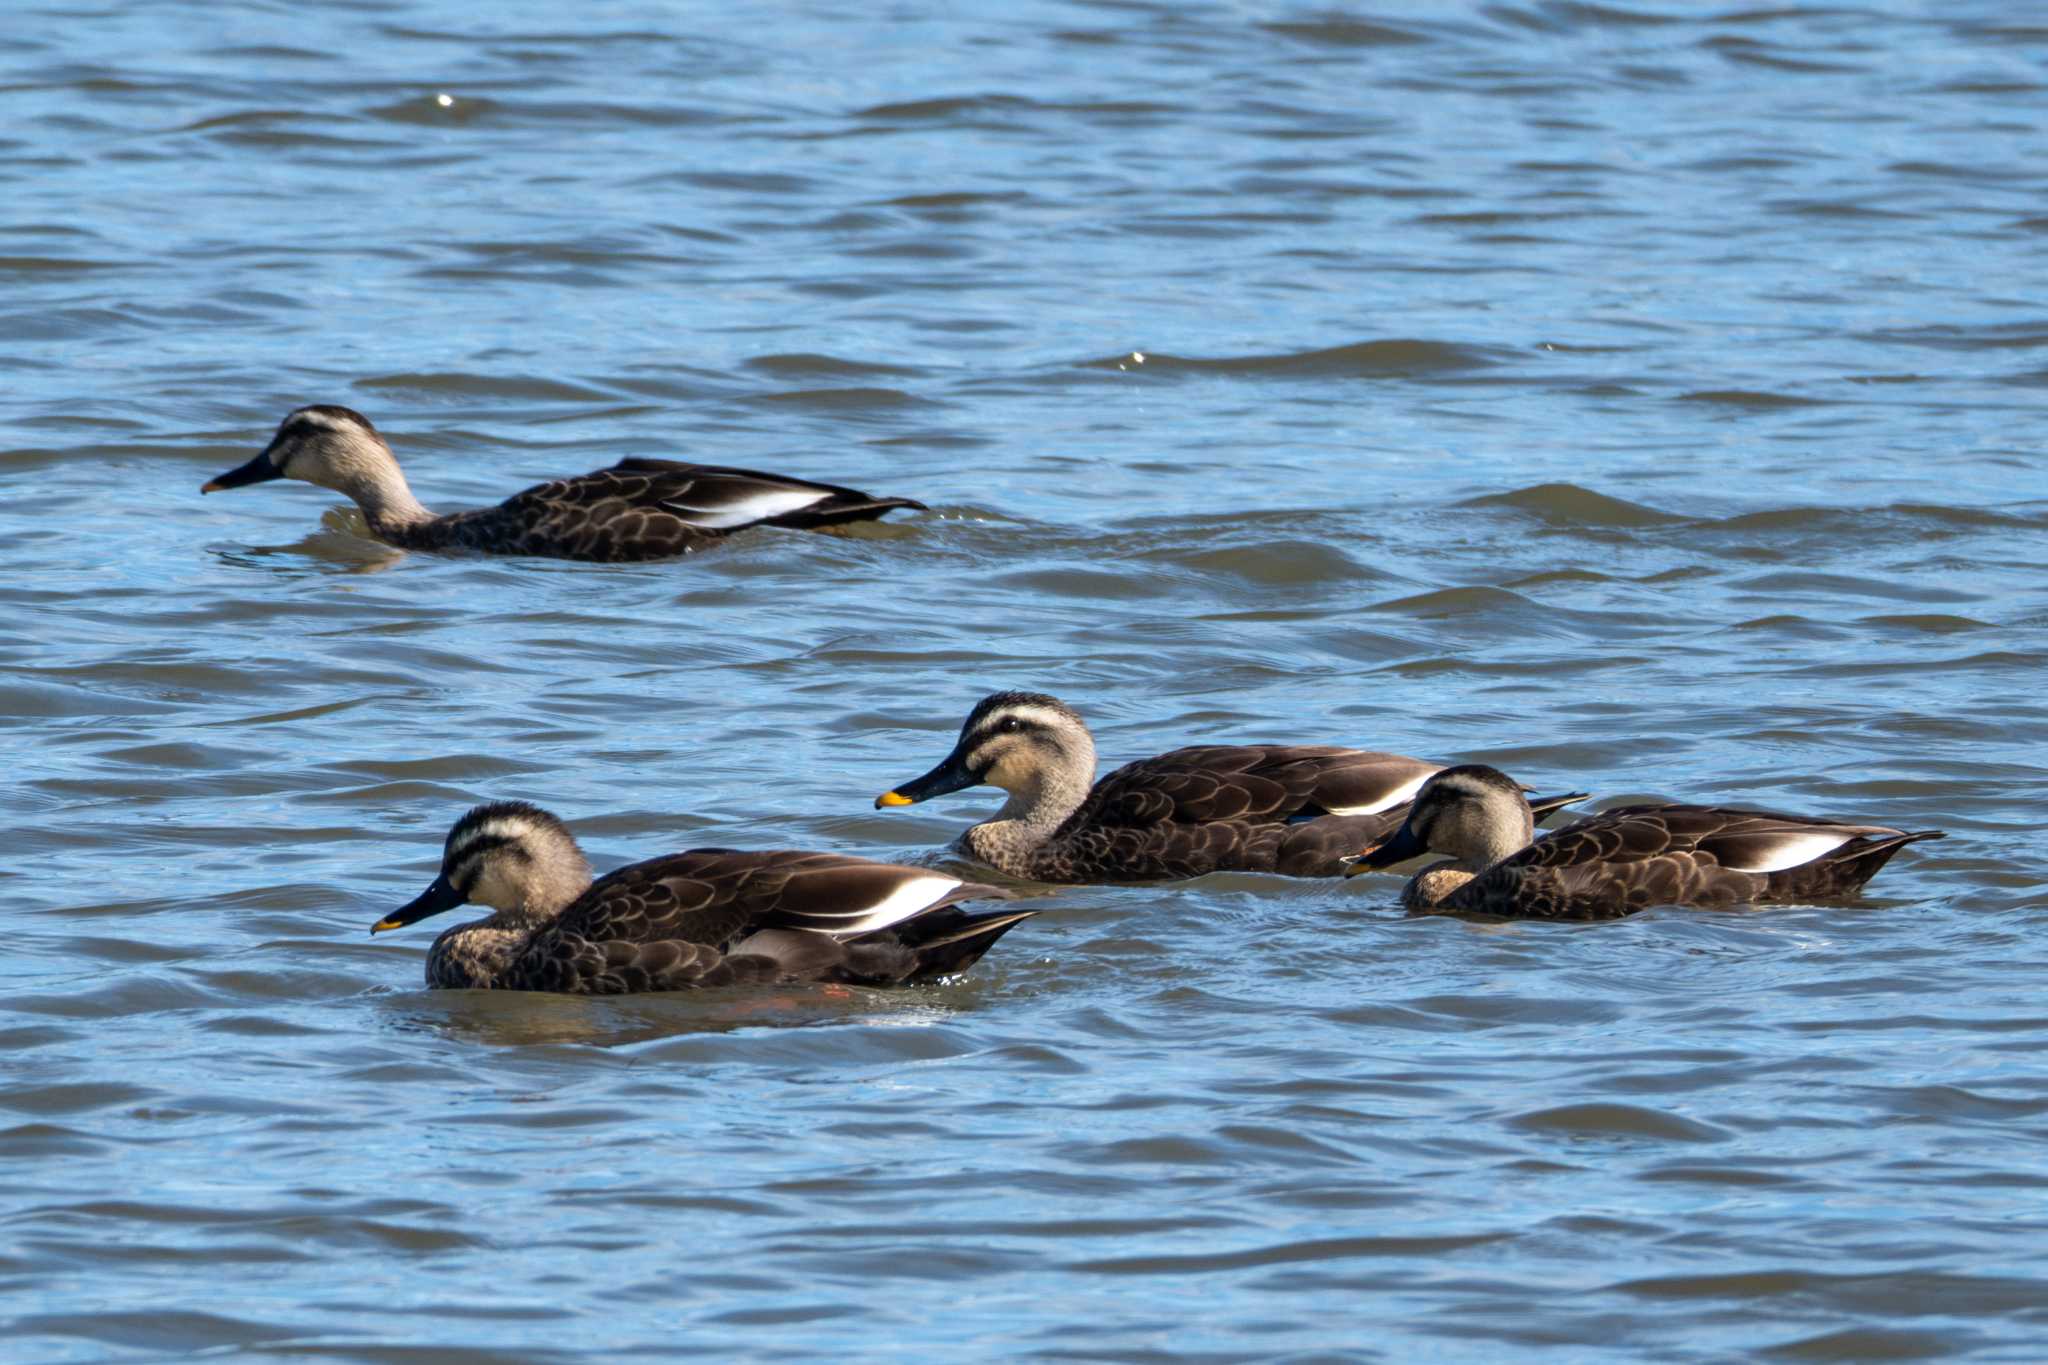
[1294,809]
[699,918]
[1618,861]
[638,509]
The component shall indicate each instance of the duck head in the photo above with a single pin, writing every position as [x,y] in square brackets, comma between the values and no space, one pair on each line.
[515,858]
[332,446]
[1031,745]
[1476,814]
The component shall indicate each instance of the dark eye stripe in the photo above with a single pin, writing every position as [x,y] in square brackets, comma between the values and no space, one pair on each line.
[465,864]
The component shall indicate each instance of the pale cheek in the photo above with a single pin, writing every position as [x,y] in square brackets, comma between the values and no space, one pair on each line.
[492,890]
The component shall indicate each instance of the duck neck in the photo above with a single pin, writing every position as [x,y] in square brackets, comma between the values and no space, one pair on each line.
[555,878]
[387,503]
[1496,831]
[1043,798]
[1039,803]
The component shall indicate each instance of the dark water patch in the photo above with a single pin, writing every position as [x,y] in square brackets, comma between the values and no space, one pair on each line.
[1798,628]
[44,266]
[958,199]
[170,1331]
[2010,336]
[1902,1293]
[1874,1343]
[1838,209]
[1081,584]
[1564,504]
[825,366]
[1317,1251]
[457,385]
[1731,1177]
[1619,1122]
[1933,623]
[1743,51]
[76,1098]
[1279,564]
[1829,586]
[844,400]
[1360,360]
[440,109]
[1751,399]
[1343,32]
[47,1141]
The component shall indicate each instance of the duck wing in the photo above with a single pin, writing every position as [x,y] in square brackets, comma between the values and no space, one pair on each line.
[651,509]
[1753,841]
[686,919]
[1629,858]
[1255,783]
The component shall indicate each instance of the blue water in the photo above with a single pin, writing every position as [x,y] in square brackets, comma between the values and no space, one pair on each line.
[1639,399]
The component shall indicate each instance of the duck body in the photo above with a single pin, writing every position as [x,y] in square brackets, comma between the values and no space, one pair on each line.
[707,917]
[1214,808]
[1294,809]
[1624,860]
[638,509]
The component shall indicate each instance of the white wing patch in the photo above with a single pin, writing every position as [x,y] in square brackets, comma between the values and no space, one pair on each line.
[910,898]
[745,511]
[1403,793]
[1795,850]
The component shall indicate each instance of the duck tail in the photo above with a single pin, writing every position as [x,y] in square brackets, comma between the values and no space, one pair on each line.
[845,505]
[1856,863]
[946,943]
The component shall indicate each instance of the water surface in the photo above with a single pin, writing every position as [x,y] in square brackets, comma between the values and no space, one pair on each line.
[1641,399]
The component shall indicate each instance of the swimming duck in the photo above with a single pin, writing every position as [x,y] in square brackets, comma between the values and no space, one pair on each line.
[1295,809]
[1617,861]
[638,509]
[708,917]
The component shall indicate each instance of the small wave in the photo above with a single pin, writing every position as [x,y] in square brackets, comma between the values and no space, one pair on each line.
[1618,1121]
[1754,399]
[1391,359]
[1927,623]
[485,386]
[1444,602]
[1344,32]
[839,400]
[1566,504]
[2019,336]
[806,363]
[957,199]
[944,108]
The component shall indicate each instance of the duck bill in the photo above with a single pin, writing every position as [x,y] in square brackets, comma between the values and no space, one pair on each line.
[1397,847]
[432,901]
[258,470]
[950,776]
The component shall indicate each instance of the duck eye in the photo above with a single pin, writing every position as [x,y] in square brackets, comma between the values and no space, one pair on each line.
[1010,726]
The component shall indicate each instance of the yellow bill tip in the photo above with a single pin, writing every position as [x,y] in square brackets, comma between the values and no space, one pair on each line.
[381,925]
[893,799]
[1354,863]
[210,486]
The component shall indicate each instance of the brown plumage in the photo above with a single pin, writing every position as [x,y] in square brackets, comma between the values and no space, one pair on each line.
[636,510]
[708,917]
[1619,861]
[1294,809]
